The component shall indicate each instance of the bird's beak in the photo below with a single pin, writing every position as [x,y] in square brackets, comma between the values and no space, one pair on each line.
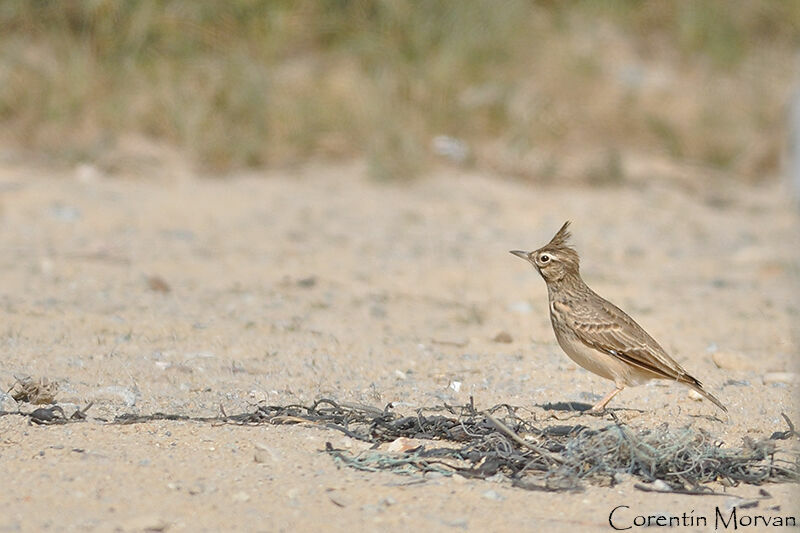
[520,254]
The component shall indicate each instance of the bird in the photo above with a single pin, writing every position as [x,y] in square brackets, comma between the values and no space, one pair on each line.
[596,334]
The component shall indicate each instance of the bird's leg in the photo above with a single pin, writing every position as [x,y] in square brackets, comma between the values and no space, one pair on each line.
[600,406]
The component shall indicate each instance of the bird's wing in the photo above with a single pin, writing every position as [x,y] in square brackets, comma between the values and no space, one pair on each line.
[603,326]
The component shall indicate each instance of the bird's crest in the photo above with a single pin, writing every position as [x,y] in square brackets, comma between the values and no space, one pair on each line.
[560,246]
[560,239]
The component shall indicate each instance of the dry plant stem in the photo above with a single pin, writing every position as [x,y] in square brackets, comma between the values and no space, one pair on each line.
[522,442]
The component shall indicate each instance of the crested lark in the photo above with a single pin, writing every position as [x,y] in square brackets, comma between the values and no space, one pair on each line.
[597,334]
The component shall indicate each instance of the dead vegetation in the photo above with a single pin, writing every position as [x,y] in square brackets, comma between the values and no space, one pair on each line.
[40,391]
[498,443]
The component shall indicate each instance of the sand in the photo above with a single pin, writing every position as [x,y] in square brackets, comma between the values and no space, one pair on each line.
[183,295]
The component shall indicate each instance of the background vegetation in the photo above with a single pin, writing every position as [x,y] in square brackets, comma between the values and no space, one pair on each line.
[542,90]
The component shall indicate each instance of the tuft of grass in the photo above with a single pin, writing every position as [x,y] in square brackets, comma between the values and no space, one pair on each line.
[254,83]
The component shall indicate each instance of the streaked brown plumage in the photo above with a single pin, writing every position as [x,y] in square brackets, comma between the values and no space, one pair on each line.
[597,334]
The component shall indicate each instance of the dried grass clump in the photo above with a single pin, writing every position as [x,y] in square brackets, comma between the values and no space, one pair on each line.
[39,391]
[559,457]
[534,456]
[545,90]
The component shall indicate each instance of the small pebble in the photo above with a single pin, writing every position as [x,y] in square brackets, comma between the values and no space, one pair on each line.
[241,497]
[7,403]
[388,501]
[661,485]
[748,504]
[621,478]
[307,283]
[734,361]
[157,284]
[493,495]
[504,337]
[87,173]
[780,377]
[402,445]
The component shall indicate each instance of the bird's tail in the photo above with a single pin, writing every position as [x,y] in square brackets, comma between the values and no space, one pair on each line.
[696,385]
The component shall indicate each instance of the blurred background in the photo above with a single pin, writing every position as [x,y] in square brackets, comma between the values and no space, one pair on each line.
[585,91]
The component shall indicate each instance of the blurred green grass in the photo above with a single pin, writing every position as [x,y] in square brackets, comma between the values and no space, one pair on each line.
[526,85]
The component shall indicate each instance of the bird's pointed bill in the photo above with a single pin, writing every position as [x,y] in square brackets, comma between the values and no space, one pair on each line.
[520,253]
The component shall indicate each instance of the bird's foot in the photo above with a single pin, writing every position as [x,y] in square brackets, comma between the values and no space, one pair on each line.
[600,407]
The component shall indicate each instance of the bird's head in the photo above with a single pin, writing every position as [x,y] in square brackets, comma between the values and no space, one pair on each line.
[554,260]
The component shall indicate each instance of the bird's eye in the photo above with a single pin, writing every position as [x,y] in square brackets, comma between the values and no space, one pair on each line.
[544,258]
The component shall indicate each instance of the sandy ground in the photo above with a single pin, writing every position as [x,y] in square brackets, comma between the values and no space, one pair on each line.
[320,283]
